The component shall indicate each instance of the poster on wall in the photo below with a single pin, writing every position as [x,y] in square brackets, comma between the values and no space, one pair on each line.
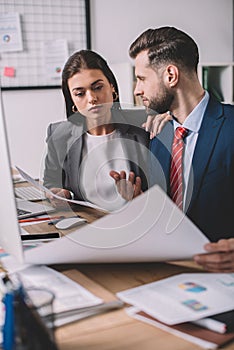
[44,34]
[10,32]
[55,54]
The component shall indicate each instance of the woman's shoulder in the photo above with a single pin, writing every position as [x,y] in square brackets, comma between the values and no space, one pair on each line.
[63,130]
[57,128]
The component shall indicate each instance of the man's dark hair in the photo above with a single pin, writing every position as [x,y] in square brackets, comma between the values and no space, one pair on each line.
[167,45]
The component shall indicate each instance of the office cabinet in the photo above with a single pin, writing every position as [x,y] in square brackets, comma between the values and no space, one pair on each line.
[218,79]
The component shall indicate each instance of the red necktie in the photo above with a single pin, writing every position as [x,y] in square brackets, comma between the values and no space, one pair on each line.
[176,173]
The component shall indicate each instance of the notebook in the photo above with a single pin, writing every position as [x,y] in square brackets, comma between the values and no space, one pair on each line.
[188,331]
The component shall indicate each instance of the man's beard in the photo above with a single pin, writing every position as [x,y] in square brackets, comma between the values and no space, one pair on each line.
[161,103]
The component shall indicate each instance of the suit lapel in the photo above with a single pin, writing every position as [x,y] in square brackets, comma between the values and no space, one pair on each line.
[208,133]
[74,155]
[161,159]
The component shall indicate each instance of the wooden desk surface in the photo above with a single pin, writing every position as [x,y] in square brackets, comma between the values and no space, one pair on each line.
[115,330]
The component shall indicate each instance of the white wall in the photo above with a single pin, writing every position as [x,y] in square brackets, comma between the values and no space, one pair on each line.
[115,24]
[28,113]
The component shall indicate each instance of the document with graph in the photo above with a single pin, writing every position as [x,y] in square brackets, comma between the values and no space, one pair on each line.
[183,298]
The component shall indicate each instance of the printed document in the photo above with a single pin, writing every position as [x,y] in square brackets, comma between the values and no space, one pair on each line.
[45,189]
[183,298]
[149,228]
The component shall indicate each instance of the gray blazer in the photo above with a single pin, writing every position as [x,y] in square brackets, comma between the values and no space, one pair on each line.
[65,144]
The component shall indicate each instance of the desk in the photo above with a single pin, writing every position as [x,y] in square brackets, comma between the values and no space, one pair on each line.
[115,330]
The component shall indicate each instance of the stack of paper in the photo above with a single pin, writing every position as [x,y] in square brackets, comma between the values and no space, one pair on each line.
[189,331]
[72,300]
[172,303]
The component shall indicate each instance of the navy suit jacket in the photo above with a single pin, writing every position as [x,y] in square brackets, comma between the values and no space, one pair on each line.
[210,200]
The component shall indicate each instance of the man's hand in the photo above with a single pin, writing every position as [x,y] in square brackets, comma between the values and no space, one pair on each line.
[59,192]
[130,188]
[155,123]
[220,257]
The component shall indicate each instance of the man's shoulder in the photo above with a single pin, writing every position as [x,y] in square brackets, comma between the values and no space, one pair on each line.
[228,115]
[224,108]
[165,137]
[228,110]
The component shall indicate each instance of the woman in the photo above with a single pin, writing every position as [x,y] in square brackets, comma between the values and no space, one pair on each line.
[97,137]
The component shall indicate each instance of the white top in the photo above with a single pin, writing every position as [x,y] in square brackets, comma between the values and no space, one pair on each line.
[101,154]
[193,124]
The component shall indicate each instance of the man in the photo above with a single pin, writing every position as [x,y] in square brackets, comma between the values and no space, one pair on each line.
[202,184]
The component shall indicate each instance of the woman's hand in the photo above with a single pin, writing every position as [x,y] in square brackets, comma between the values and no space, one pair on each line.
[130,188]
[155,123]
[59,192]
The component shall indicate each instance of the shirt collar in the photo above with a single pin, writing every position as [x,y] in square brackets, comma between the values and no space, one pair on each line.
[194,119]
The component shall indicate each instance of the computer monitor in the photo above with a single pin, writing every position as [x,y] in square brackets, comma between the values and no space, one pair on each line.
[10,239]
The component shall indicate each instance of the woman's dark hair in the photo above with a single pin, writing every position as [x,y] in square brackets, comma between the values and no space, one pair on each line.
[167,45]
[84,59]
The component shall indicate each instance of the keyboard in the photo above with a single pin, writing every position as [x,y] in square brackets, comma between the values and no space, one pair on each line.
[29,193]
[22,212]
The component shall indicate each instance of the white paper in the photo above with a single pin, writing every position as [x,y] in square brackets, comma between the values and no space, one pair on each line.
[35,183]
[149,228]
[10,32]
[75,315]
[183,298]
[55,53]
[69,295]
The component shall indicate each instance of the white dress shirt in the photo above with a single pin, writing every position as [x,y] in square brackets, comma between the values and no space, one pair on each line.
[193,124]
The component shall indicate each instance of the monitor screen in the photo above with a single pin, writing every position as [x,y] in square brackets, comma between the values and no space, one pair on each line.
[10,239]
